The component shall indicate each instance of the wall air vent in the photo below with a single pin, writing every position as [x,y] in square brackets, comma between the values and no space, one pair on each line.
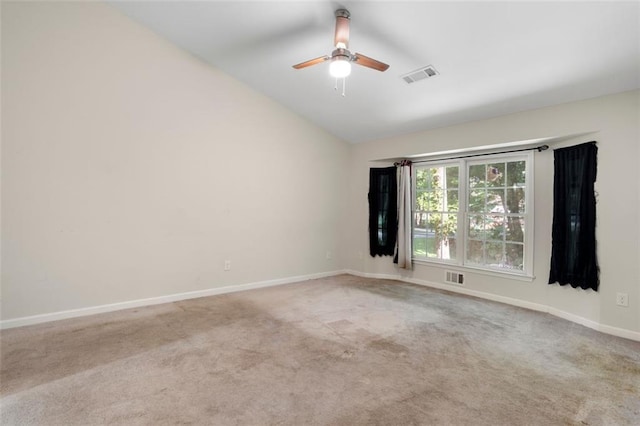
[420,74]
[453,277]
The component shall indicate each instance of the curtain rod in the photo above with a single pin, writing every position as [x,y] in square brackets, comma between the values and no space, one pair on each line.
[536,148]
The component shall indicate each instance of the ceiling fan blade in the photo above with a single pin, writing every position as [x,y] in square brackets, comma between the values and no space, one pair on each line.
[368,62]
[311,62]
[341,38]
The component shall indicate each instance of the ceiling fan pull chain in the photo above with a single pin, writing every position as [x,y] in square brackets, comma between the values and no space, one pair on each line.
[344,83]
[336,86]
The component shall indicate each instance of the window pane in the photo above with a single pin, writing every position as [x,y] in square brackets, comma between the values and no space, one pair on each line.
[451,243]
[515,200]
[437,201]
[447,230]
[516,173]
[431,245]
[475,252]
[419,242]
[451,202]
[495,253]
[494,227]
[495,174]
[434,178]
[419,221]
[422,200]
[477,198]
[449,225]
[515,256]
[477,175]
[433,224]
[434,221]
[476,227]
[515,229]
[495,198]
[452,177]
[421,178]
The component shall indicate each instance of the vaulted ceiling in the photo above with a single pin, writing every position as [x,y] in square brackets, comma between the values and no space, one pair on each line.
[493,58]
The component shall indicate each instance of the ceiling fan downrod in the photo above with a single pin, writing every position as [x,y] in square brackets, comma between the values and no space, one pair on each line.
[341,35]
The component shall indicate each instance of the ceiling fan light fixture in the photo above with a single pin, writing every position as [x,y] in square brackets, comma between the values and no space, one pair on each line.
[340,68]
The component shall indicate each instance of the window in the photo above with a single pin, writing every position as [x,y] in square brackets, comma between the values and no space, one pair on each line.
[475,212]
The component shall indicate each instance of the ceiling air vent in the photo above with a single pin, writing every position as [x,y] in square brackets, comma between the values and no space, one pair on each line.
[420,74]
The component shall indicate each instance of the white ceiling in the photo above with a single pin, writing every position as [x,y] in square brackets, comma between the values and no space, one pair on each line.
[494,58]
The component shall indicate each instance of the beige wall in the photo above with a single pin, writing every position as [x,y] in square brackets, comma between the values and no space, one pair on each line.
[131,169]
[615,123]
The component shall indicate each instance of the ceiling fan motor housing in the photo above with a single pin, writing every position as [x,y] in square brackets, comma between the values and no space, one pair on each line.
[341,55]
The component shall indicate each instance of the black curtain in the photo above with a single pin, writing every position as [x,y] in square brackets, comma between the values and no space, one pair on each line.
[573,254]
[383,200]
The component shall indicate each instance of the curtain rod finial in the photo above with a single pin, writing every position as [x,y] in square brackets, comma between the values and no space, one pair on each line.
[543,148]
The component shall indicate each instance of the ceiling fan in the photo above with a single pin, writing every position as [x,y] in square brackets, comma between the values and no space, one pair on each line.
[341,57]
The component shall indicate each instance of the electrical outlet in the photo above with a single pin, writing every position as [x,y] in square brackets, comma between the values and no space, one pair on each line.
[227,265]
[328,255]
[622,299]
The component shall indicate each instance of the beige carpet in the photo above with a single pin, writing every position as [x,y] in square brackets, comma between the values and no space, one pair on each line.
[335,351]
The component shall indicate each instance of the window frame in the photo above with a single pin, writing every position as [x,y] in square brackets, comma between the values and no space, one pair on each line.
[463,214]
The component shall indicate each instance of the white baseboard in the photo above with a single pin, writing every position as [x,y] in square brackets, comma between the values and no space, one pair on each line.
[73,313]
[614,331]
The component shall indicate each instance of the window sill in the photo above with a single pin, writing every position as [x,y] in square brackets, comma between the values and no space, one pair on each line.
[460,268]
